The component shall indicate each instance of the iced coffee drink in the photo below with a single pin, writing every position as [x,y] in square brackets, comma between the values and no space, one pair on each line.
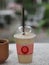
[25,47]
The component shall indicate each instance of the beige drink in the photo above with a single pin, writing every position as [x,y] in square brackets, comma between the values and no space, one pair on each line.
[25,47]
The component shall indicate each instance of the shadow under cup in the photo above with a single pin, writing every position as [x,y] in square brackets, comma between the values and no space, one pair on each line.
[4,50]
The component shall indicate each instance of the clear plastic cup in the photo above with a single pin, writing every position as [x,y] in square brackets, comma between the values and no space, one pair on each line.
[25,44]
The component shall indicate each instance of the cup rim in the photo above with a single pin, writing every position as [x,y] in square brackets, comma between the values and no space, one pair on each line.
[4,41]
[24,37]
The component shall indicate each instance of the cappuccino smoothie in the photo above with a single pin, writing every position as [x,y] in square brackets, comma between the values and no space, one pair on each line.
[25,47]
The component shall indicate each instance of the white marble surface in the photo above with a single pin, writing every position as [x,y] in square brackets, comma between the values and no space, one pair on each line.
[40,56]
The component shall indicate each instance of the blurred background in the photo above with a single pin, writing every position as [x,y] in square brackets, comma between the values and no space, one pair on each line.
[36,16]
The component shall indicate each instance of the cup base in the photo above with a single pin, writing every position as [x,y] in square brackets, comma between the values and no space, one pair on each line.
[25,58]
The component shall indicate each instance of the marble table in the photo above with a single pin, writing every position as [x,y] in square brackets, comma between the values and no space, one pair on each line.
[40,56]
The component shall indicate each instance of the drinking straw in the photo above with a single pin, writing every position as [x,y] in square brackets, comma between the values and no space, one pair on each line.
[23,22]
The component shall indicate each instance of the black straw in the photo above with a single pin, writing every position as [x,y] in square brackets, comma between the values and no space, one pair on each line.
[23,23]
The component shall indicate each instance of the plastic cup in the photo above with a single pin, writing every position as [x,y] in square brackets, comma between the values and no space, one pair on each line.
[25,47]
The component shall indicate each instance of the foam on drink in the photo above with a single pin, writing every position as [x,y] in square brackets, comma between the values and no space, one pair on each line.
[26,36]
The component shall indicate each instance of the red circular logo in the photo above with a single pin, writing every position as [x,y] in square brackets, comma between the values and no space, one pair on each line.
[25,49]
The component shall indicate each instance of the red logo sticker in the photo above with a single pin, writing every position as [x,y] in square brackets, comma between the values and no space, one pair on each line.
[25,49]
